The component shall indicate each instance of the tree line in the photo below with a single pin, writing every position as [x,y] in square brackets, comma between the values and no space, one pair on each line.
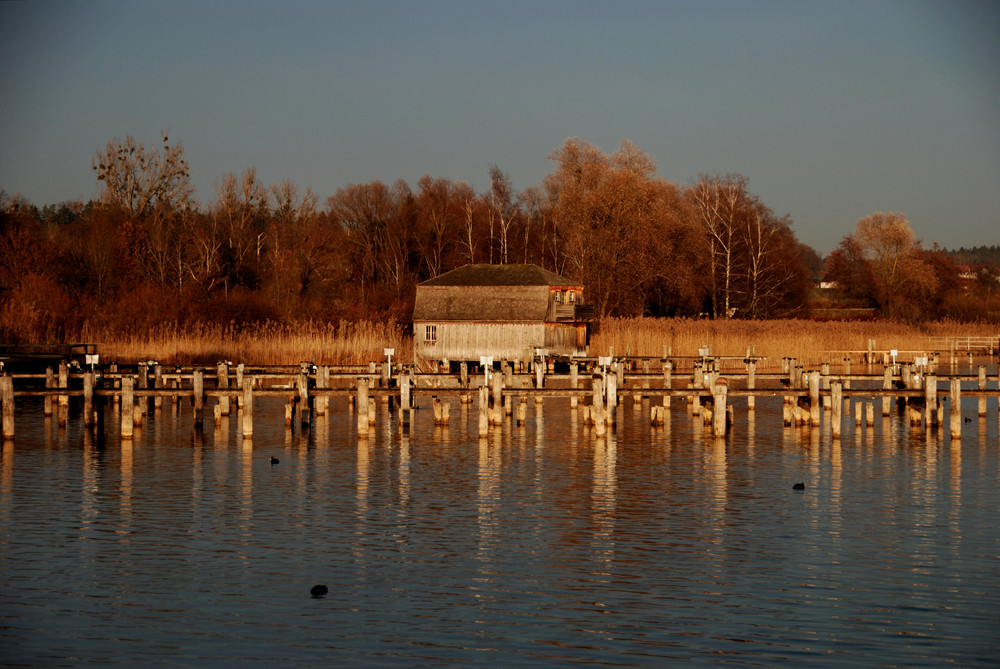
[143,251]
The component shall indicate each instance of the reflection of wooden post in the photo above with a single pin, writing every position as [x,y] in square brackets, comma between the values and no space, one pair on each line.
[956,409]
[128,404]
[837,395]
[362,404]
[7,399]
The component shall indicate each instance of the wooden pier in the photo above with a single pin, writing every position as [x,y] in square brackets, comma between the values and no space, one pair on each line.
[708,386]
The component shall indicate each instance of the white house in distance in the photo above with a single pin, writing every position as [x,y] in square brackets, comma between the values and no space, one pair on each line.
[503,311]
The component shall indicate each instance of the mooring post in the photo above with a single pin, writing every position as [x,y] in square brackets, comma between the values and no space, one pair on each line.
[198,380]
[322,402]
[7,400]
[50,382]
[463,374]
[484,411]
[956,408]
[837,400]
[930,400]
[886,385]
[303,388]
[247,407]
[847,372]
[574,374]
[668,380]
[63,399]
[128,406]
[362,405]
[611,385]
[222,383]
[982,386]
[719,414]
[88,398]
[858,409]
[815,409]
[597,411]
[751,382]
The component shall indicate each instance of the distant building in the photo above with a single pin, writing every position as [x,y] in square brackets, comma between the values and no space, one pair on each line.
[504,311]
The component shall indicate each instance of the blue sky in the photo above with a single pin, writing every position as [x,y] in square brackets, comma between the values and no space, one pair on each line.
[834,110]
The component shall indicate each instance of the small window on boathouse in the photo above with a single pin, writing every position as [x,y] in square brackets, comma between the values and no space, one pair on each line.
[430,334]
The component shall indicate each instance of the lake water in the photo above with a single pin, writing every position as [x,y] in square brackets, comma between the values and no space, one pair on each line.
[538,546]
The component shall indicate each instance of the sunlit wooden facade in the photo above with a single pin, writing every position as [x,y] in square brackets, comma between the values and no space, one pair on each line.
[504,311]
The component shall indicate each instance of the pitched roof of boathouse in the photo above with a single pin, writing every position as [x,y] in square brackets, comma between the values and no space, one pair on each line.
[482,292]
[501,275]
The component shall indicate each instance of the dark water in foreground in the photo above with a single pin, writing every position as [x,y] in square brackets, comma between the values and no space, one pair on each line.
[538,546]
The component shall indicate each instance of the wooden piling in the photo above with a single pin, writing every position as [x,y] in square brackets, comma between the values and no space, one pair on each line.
[7,400]
[127,408]
[522,411]
[63,399]
[719,413]
[362,405]
[198,380]
[484,411]
[982,386]
[956,408]
[222,383]
[50,382]
[886,385]
[668,370]
[837,401]
[751,382]
[247,421]
[930,400]
[815,408]
[88,398]
[303,388]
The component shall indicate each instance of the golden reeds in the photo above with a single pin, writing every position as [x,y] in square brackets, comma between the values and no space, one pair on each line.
[266,344]
[346,342]
[811,342]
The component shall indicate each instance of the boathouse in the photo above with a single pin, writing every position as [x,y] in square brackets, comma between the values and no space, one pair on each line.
[503,311]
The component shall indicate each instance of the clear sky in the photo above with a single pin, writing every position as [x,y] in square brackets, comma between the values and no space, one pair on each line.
[833,109]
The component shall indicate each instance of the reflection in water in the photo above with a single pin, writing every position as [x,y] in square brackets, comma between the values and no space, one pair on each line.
[125,489]
[488,503]
[531,547]
[604,496]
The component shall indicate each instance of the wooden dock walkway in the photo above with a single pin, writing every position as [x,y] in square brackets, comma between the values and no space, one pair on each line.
[597,386]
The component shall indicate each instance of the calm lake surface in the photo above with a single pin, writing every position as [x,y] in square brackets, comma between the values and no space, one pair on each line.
[538,546]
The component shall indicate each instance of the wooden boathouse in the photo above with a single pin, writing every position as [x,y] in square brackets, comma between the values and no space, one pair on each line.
[503,311]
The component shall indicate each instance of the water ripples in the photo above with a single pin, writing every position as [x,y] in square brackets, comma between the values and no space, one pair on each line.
[540,545]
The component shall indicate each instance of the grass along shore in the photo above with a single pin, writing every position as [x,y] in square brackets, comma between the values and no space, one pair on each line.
[810,342]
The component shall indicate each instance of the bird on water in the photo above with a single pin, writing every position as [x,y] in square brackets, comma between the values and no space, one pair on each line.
[799,486]
[319,590]
[274,460]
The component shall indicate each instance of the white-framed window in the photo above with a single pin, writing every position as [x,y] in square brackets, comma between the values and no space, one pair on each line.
[430,334]
[570,297]
[557,296]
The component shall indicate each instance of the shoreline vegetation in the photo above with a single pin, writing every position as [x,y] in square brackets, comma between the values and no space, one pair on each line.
[349,342]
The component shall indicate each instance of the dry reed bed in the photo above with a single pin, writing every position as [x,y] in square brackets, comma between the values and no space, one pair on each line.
[340,343]
[810,342]
[346,342]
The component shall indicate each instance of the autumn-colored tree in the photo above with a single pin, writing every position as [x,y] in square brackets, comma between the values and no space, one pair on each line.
[151,188]
[613,214]
[241,221]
